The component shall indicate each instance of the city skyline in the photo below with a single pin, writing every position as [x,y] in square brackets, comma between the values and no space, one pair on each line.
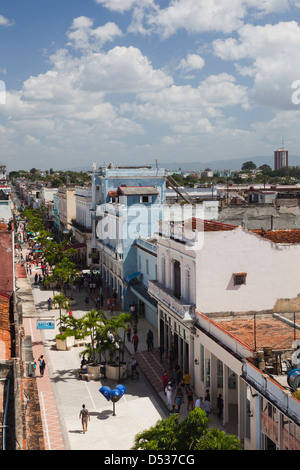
[135,81]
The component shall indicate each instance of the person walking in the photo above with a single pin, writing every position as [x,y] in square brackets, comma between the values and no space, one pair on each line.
[160,351]
[128,332]
[169,393]
[149,340]
[178,400]
[206,407]
[190,399]
[42,365]
[49,301]
[85,416]
[87,301]
[220,405]
[199,403]
[187,381]
[135,341]
[165,380]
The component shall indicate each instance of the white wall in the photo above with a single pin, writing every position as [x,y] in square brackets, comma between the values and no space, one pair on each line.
[273,272]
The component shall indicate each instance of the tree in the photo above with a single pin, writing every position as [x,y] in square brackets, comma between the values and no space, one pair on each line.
[190,433]
[248,166]
[62,302]
[64,273]
[94,322]
[115,323]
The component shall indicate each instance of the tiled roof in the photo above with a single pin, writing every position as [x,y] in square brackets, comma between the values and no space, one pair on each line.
[280,236]
[264,331]
[207,225]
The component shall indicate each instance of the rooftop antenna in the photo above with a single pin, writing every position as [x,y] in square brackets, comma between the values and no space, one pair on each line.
[283,143]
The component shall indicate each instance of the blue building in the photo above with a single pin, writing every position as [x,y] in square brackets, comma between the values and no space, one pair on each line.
[127,204]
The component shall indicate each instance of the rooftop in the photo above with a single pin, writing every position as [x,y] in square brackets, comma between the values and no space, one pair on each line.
[207,225]
[261,331]
[280,236]
[137,190]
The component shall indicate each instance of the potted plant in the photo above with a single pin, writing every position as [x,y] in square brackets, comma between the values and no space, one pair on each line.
[65,340]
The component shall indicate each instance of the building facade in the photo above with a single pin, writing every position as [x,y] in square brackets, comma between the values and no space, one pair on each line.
[218,292]
[126,203]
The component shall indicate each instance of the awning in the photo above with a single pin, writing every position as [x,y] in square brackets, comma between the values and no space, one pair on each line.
[132,276]
[141,292]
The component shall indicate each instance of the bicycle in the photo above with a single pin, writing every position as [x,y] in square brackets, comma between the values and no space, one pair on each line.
[134,374]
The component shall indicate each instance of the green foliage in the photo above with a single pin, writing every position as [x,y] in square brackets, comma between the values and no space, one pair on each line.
[190,433]
[248,166]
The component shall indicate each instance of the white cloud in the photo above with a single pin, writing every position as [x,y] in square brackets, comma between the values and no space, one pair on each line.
[83,36]
[5,21]
[192,62]
[123,5]
[30,140]
[268,54]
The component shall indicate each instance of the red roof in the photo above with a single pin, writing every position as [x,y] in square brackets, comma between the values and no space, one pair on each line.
[113,193]
[280,236]
[207,225]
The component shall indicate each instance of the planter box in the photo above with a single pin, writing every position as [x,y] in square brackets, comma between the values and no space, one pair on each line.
[82,341]
[65,344]
[112,371]
[94,370]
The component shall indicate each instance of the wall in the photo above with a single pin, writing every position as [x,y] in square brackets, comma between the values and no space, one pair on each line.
[284,216]
[272,272]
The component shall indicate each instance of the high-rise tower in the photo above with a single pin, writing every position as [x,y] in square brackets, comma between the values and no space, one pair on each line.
[281,158]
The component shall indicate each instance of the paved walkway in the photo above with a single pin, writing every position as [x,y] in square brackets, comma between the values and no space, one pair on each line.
[62,393]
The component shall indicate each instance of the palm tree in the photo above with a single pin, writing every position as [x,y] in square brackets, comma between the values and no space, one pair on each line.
[116,322]
[62,302]
[93,321]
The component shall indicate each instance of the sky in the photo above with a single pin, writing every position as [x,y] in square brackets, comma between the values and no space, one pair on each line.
[138,81]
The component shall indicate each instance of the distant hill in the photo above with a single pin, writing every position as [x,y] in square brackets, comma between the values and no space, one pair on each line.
[294,160]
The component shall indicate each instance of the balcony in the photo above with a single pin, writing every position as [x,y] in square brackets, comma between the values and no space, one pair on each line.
[185,312]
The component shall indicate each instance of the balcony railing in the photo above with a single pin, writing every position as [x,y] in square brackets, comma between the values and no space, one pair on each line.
[179,307]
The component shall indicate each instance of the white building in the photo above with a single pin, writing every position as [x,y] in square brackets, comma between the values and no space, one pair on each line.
[82,226]
[219,289]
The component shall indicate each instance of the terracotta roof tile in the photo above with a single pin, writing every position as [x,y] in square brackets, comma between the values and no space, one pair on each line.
[266,331]
[207,225]
[280,236]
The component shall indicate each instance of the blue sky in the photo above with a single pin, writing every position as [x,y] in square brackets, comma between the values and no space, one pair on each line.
[134,81]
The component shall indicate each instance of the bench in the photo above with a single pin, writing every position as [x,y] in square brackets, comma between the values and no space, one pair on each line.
[87,377]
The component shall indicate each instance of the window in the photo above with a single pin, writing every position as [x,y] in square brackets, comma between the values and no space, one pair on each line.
[239,279]
[140,262]
[147,266]
[219,374]
[232,380]
[145,199]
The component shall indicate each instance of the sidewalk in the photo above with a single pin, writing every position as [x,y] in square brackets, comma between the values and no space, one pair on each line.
[62,394]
